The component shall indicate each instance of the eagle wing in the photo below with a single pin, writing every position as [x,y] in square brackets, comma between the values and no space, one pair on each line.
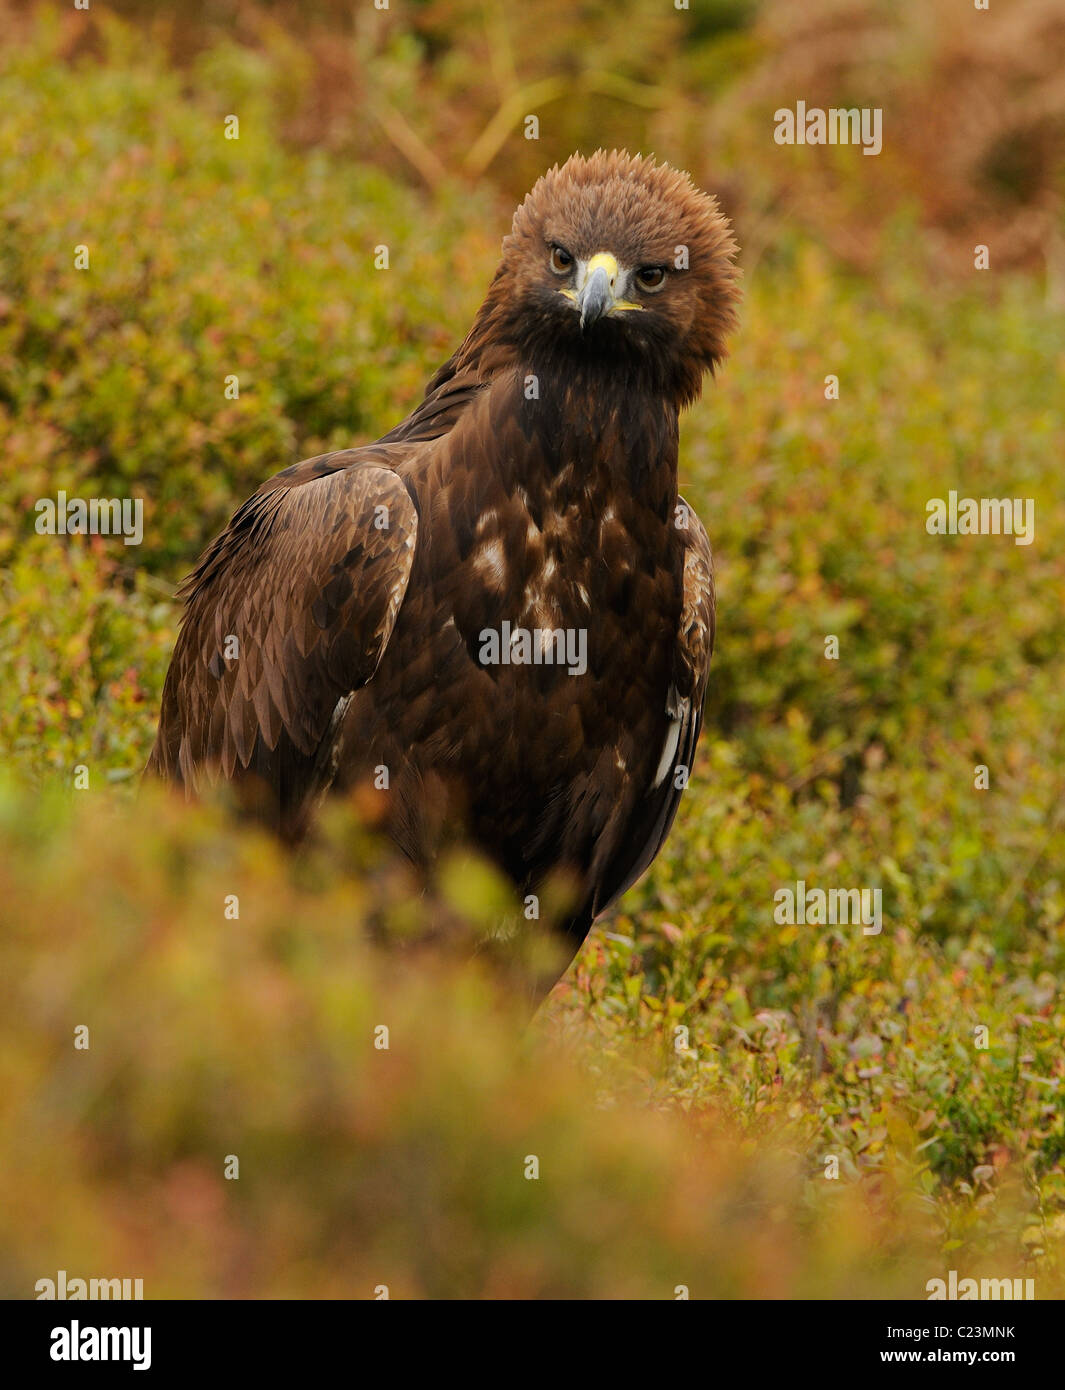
[648,826]
[288,613]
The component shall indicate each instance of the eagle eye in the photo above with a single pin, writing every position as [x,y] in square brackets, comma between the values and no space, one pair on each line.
[561,260]
[651,277]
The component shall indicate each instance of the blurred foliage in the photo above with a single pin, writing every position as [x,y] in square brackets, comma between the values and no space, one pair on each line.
[973,101]
[659,1167]
[208,258]
[359,1166]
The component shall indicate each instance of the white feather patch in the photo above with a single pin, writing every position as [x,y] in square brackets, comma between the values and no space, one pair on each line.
[669,751]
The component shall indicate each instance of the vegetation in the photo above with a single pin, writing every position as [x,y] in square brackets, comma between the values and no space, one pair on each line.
[660,1165]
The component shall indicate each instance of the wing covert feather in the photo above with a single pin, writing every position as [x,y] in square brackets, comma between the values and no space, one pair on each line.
[288,612]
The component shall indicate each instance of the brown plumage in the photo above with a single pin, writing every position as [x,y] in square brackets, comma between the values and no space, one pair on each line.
[535,485]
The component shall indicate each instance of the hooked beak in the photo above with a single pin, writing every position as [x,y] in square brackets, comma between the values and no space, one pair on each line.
[597,296]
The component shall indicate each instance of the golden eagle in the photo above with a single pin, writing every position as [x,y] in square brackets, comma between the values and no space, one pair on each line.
[501,610]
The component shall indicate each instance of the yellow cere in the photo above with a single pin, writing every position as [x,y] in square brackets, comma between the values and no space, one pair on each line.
[603,260]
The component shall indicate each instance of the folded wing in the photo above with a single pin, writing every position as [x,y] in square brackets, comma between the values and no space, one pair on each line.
[650,822]
[288,613]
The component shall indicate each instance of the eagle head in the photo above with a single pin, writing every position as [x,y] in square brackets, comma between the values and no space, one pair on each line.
[618,266]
